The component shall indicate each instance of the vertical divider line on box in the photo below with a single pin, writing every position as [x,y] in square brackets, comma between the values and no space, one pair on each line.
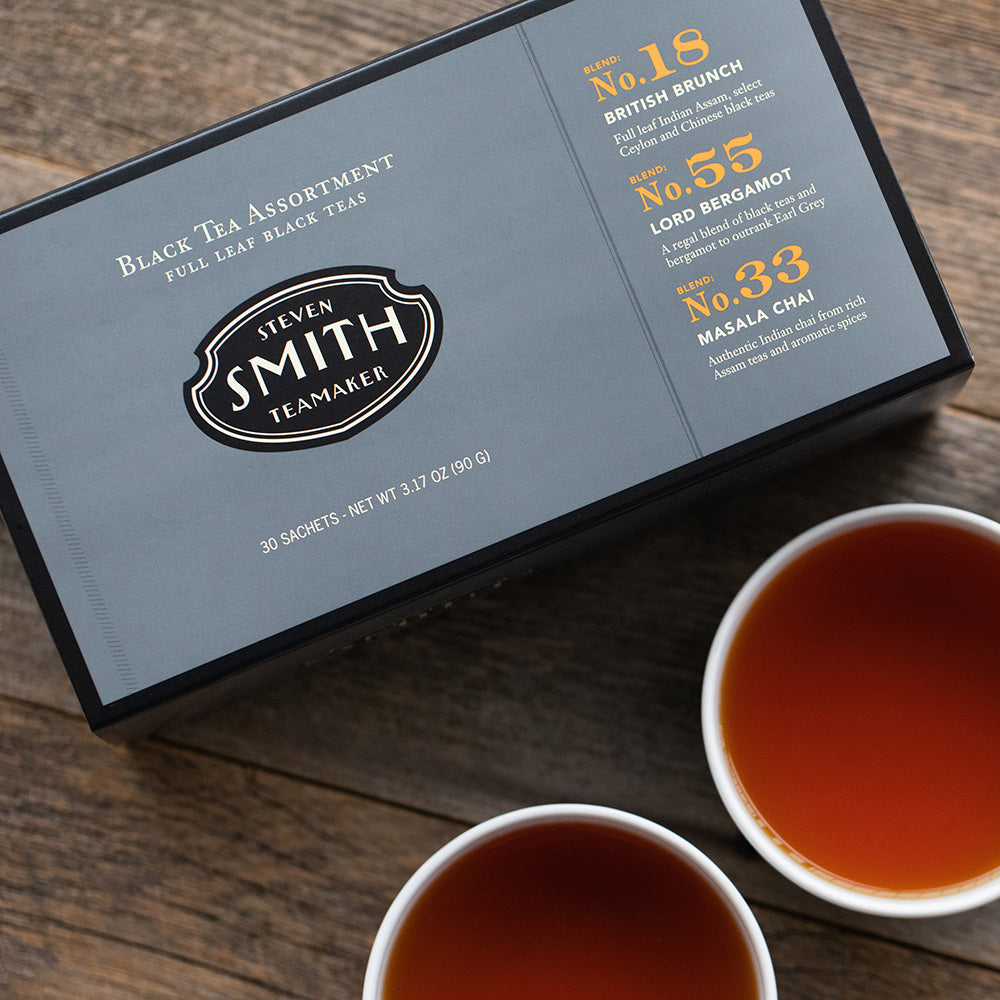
[609,240]
[71,539]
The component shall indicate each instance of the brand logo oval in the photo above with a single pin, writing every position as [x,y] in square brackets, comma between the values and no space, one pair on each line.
[313,360]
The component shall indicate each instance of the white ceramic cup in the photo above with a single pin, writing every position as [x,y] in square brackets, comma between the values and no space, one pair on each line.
[561,813]
[933,903]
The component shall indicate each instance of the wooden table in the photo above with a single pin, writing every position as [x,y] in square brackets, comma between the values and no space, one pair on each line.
[250,854]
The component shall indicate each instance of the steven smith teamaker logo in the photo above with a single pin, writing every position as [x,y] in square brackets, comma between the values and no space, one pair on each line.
[313,360]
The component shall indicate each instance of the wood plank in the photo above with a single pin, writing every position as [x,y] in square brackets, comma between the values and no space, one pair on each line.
[184,874]
[24,177]
[168,874]
[825,963]
[43,960]
[929,74]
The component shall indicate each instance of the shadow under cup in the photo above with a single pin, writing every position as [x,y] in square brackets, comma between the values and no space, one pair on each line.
[851,705]
[569,902]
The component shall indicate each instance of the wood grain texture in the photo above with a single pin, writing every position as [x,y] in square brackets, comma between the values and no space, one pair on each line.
[930,76]
[250,853]
[226,879]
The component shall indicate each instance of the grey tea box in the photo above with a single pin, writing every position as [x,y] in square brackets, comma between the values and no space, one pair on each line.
[274,385]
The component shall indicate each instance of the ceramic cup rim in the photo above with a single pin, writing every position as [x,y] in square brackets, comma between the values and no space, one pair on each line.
[562,812]
[879,903]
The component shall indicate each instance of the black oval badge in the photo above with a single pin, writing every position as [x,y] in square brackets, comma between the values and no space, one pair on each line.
[313,360]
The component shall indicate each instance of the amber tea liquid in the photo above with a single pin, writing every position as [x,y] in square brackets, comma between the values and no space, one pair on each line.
[860,709]
[571,910]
